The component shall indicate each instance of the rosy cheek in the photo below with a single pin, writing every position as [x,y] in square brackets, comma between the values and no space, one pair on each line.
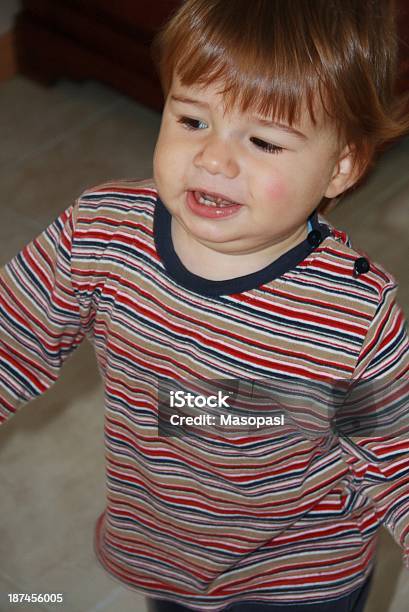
[276,190]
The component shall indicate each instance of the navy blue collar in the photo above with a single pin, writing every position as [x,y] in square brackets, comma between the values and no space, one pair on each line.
[204,286]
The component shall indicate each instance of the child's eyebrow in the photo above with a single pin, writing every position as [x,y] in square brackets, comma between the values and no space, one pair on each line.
[281,126]
[264,122]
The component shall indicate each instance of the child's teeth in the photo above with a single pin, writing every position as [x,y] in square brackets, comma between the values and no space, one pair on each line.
[208,202]
[203,200]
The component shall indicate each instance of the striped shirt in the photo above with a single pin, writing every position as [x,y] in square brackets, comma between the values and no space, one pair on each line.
[207,520]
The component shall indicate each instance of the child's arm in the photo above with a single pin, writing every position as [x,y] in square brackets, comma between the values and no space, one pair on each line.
[378,456]
[39,315]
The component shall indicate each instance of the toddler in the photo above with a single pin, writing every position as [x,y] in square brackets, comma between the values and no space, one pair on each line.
[223,267]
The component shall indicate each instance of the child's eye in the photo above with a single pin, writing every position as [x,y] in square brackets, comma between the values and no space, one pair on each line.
[267,146]
[190,124]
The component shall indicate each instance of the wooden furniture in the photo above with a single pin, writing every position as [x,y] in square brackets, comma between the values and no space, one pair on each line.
[108,40]
[104,40]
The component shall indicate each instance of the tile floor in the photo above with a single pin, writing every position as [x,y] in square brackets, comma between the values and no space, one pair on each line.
[56,142]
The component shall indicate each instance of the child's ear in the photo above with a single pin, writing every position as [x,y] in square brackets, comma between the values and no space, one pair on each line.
[344,174]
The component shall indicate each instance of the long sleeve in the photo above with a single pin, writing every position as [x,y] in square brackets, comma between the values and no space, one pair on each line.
[376,446]
[39,315]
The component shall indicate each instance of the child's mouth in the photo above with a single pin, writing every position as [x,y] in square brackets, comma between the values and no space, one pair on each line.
[209,206]
[203,198]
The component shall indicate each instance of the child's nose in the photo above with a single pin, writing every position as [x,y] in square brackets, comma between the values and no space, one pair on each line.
[217,157]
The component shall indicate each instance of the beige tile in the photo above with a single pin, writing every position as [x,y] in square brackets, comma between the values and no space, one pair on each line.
[401,596]
[122,600]
[15,232]
[396,215]
[32,115]
[389,177]
[8,586]
[53,488]
[119,145]
[387,571]
[83,584]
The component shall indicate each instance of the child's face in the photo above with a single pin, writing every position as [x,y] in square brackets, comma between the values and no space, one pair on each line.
[278,177]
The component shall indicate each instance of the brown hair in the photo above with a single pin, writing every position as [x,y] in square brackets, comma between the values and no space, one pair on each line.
[275,57]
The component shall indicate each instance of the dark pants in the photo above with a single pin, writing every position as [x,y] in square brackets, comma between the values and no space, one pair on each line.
[354,602]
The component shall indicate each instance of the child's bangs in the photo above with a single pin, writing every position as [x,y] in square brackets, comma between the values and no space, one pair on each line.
[275,78]
[283,93]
